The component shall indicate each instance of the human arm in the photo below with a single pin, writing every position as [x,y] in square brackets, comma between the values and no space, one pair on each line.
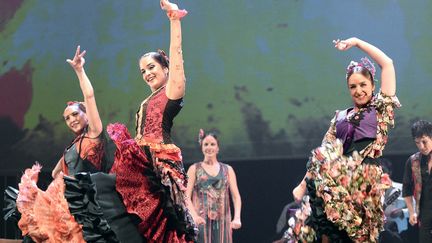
[94,121]
[388,75]
[58,168]
[300,190]
[411,210]
[408,192]
[235,194]
[189,189]
[176,84]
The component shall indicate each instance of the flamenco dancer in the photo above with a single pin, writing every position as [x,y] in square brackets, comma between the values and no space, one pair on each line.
[144,175]
[344,179]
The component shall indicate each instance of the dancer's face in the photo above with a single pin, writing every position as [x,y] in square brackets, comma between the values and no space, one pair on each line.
[210,146]
[153,73]
[424,144]
[75,119]
[361,89]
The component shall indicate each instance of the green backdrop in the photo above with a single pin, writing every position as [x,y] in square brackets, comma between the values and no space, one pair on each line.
[263,74]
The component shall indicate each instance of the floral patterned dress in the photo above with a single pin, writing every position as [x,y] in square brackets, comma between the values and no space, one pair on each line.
[210,198]
[345,194]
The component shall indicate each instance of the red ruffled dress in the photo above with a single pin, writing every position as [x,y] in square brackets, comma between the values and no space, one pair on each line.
[149,172]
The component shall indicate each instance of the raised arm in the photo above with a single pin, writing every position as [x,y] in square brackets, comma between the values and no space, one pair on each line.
[94,121]
[232,180]
[388,75]
[176,85]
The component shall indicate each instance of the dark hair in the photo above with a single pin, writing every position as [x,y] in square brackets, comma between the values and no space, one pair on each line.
[80,105]
[421,128]
[213,134]
[159,56]
[362,70]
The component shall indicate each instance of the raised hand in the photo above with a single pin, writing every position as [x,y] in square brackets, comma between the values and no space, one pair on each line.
[343,45]
[172,10]
[77,63]
[167,5]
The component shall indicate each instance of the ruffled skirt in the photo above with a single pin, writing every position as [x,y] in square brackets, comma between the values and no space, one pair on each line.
[152,183]
[345,195]
[82,209]
[142,199]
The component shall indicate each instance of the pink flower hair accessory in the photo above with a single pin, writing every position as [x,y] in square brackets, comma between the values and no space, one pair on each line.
[201,136]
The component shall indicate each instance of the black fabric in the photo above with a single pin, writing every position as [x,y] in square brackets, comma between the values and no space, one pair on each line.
[96,205]
[177,217]
[80,192]
[76,164]
[425,229]
[124,225]
[172,108]
[10,211]
[425,215]
[109,152]
[408,182]
[318,219]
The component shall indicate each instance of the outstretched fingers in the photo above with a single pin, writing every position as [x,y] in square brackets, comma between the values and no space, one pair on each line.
[78,59]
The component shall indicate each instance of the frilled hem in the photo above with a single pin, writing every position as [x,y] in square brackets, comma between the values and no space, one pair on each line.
[318,218]
[148,195]
[81,195]
[158,147]
[349,190]
[45,215]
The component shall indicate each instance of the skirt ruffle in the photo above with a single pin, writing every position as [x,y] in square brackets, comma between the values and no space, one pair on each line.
[346,191]
[45,215]
[96,206]
[85,208]
[152,188]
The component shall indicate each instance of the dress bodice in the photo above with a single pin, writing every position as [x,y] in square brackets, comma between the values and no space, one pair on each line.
[87,154]
[75,163]
[357,126]
[155,116]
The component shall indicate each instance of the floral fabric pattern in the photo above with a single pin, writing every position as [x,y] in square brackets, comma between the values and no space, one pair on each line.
[211,199]
[350,189]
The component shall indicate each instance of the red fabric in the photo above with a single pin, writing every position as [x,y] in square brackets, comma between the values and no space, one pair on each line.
[154,116]
[129,166]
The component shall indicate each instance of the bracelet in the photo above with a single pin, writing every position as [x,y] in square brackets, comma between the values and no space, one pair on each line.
[176,14]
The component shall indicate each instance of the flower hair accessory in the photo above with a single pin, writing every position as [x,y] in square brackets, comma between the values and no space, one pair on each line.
[201,136]
[69,103]
[164,55]
[364,63]
[80,105]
